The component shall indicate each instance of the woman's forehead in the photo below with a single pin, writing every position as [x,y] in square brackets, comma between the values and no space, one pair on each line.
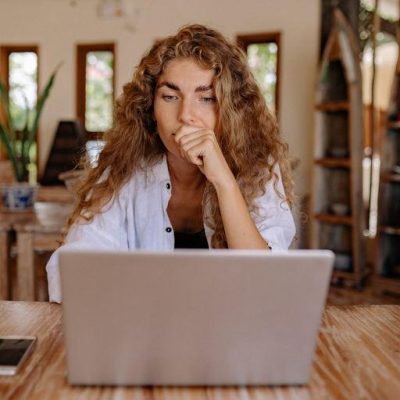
[186,70]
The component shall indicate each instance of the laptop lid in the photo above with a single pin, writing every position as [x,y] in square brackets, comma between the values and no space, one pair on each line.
[219,317]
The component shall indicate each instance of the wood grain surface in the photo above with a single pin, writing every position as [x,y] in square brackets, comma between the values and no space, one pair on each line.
[358,357]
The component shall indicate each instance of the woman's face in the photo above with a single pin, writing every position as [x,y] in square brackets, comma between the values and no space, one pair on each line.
[185,98]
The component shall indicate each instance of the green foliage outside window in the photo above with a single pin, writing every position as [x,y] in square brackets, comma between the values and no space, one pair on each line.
[22,93]
[263,58]
[22,86]
[99,91]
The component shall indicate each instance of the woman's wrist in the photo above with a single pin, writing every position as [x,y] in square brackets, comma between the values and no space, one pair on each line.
[226,185]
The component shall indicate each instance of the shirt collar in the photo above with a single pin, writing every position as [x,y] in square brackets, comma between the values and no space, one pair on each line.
[159,172]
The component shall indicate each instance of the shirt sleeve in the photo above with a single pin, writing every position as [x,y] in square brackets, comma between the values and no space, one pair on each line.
[273,216]
[107,230]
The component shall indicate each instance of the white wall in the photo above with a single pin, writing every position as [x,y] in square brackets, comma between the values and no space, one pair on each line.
[57,27]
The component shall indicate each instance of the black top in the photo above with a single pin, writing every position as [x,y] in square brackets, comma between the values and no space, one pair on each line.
[197,240]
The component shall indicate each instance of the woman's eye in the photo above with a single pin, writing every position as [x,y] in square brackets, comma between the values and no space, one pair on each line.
[168,97]
[209,99]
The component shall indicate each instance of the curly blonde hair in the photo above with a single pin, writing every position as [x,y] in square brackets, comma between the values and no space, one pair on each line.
[247,131]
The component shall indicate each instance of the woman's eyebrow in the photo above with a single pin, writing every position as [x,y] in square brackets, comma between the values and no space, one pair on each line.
[204,88]
[169,85]
[173,86]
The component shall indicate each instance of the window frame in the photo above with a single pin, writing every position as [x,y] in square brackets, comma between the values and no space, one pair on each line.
[81,52]
[244,40]
[5,51]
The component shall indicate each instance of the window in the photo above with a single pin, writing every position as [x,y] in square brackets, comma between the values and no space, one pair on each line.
[19,72]
[263,54]
[95,88]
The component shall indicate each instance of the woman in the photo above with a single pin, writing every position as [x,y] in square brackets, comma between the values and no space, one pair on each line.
[194,159]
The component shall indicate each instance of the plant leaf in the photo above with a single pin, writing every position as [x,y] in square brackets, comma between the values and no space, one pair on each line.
[11,152]
[6,99]
[24,133]
[39,107]
[4,95]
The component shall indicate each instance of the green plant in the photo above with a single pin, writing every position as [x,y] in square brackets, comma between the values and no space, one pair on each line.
[18,143]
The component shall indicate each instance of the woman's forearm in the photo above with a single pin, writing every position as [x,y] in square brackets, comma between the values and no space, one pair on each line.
[240,229]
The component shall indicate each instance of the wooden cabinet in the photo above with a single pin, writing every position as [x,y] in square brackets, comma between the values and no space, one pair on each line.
[387,271]
[337,210]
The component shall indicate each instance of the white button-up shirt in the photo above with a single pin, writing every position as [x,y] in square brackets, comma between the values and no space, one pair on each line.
[137,218]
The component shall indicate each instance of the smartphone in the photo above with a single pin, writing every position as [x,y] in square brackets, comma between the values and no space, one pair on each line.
[13,351]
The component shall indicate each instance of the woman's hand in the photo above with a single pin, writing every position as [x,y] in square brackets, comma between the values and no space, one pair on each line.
[200,147]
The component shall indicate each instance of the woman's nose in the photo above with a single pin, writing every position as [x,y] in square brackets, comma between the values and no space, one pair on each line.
[187,112]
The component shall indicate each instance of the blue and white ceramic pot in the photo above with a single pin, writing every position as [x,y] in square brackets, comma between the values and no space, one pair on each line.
[18,196]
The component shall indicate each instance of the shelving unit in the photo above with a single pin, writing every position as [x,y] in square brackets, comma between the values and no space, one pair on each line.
[337,221]
[387,271]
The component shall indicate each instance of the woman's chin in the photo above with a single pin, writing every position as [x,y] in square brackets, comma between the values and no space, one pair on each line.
[178,159]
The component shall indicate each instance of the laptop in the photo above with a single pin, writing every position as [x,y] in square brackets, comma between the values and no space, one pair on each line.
[192,317]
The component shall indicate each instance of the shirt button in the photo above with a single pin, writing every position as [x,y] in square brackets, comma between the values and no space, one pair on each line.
[168,229]
[168,186]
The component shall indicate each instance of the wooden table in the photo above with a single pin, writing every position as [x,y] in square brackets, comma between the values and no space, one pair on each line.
[358,357]
[38,230]
[8,220]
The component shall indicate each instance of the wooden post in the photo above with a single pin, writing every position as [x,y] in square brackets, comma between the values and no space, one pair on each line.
[4,263]
[25,267]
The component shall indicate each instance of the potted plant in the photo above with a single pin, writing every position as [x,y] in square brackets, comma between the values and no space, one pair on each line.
[17,144]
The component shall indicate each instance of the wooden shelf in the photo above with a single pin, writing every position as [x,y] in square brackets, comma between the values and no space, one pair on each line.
[388,176]
[393,125]
[333,106]
[389,230]
[333,162]
[339,123]
[334,219]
